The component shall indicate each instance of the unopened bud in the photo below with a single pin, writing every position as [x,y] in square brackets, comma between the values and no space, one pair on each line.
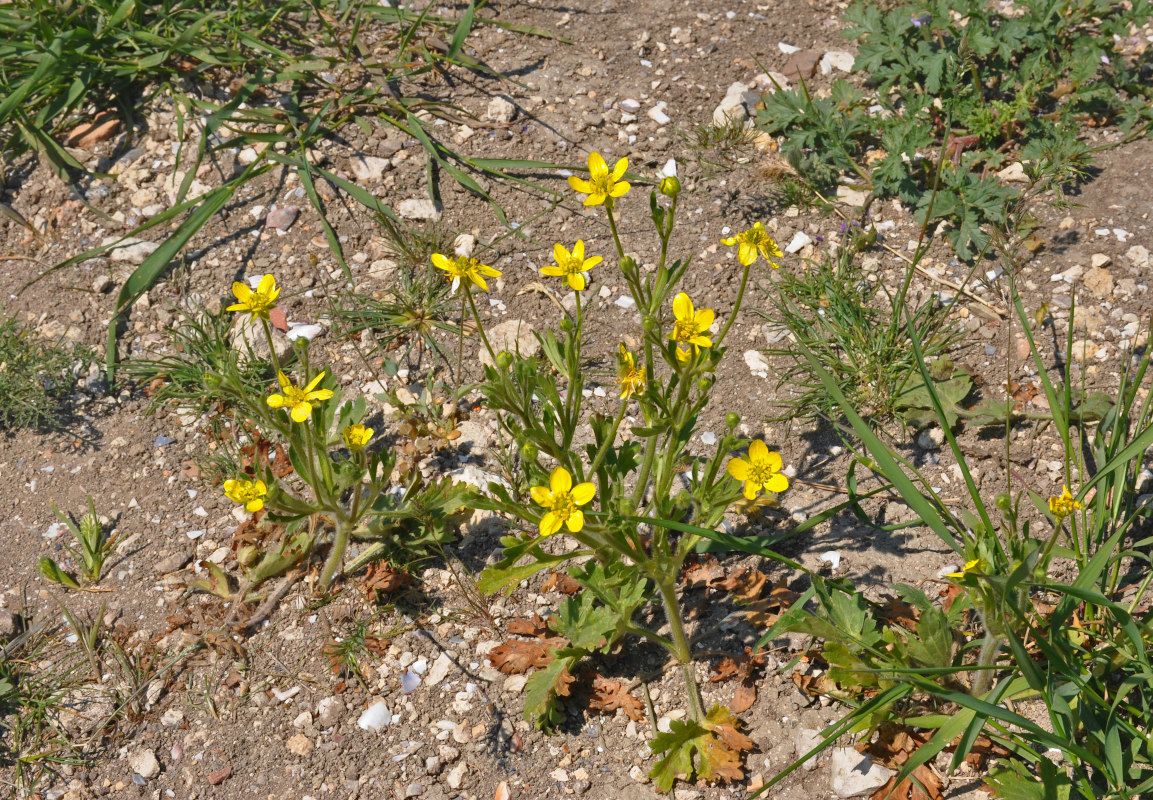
[504,359]
[670,186]
[732,419]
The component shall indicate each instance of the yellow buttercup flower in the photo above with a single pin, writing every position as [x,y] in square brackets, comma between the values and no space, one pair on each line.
[571,266]
[299,398]
[690,326]
[464,268]
[602,185]
[630,375]
[752,242]
[249,494]
[561,499]
[1063,504]
[356,437]
[970,566]
[762,470]
[256,302]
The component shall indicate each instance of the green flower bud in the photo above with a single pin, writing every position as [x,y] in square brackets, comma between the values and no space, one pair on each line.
[732,419]
[650,325]
[705,383]
[1004,502]
[529,452]
[566,324]
[670,186]
[504,359]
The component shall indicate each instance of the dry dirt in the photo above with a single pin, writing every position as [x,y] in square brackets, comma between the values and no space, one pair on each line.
[262,706]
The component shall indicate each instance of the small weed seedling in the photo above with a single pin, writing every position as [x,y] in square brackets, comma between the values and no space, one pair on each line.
[94,543]
[35,378]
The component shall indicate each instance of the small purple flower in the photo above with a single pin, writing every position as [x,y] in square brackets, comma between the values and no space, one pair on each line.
[1105,60]
[925,19]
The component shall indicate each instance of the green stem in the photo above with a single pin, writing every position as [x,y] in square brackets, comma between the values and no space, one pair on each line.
[681,649]
[336,556]
[988,655]
[271,346]
[613,228]
[608,442]
[479,324]
[736,307]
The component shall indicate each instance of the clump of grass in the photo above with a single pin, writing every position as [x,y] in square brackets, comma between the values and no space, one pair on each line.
[95,542]
[35,378]
[859,333]
[718,148]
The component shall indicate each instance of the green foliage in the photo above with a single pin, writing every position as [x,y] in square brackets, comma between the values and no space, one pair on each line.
[856,331]
[35,378]
[709,748]
[94,543]
[981,86]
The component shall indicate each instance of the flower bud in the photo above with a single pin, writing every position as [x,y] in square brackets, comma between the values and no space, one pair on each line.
[566,324]
[504,359]
[670,186]
[705,383]
[650,325]
[529,451]
[732,419]
[1004,502]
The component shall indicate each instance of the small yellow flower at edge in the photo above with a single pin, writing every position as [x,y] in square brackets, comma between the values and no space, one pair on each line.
[571,266]
[298,398]
[690,326]
[752,242]
[1063,504]
[465,268]
[356,437]
[970,566]
[602,185]
[249,494]
[257,302]
[561,499]
[630,375]
[762,470]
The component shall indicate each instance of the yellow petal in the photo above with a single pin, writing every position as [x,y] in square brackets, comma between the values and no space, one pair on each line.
[579,184]
[739,469]
[559,253]
[320,394]
[590,263]
[254,505]
[751,490]
[312,384]
[578,250]
[552,272]
[619,169]
[485,269]
[701,341]
[597,165]
[300,411]
[683,307]
[778,483]
[242,292]
[277,400]
[619,189]
[267,286]
[577,281]
[441,261]
[595,199]
[576,520]
[758,451]
[747,254]
[683,355]
[549,524]
[560,481]
[583,493]
[260,487]
[283,379]
[479,281]
[772,461]
[704,318]
[730,241]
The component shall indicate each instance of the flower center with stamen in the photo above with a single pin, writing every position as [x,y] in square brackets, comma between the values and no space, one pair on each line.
[685,329]
[563,506]
[760,474]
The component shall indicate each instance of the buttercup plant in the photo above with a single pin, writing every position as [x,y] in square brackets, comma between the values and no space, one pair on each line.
[635,500]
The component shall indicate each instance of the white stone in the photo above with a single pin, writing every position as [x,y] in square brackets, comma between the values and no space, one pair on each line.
[419,208]
[133,250]
[787,49]
[657,114]
[837,59]
[464,245]
[329,711]
[368,168]
[514,335]
[1100,260]
[247,156]
[438,670]
[1014,173]
[931,438]
[799,241]
[629,106]
[852,197]
[143,763]
[853,774]
[735,105]
[1137,256]
[375,717]
[805,740]
[455,776]
[500,109]
[757,364]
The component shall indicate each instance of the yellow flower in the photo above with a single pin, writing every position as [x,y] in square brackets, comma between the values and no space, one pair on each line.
[1063,504]
[249,494]
[356,437]
[561,499]
[970,566]
[602,185]
[630,375]
[259,302]
[752,242]
[464,267]
[690,326]
[761,471]
[299,399]
[571,266]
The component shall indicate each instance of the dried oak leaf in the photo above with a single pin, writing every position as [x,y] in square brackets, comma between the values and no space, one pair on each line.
[381,577]
[710,748]
[743,667]
[702,571]
[515,656]
[560,582]
[898,612]
[608,696]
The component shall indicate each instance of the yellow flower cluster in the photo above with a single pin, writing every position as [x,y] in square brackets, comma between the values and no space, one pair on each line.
[561,499]
[1063,504]
[761,471]
[249,494]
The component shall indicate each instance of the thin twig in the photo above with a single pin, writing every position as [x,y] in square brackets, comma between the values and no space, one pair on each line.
[270,602]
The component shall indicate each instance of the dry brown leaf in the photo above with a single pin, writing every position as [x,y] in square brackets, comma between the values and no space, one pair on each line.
[743,698]
[893,747]
[702,571]
[381,577]
[608,696]
[515,657]
[560,582]
[502,791]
